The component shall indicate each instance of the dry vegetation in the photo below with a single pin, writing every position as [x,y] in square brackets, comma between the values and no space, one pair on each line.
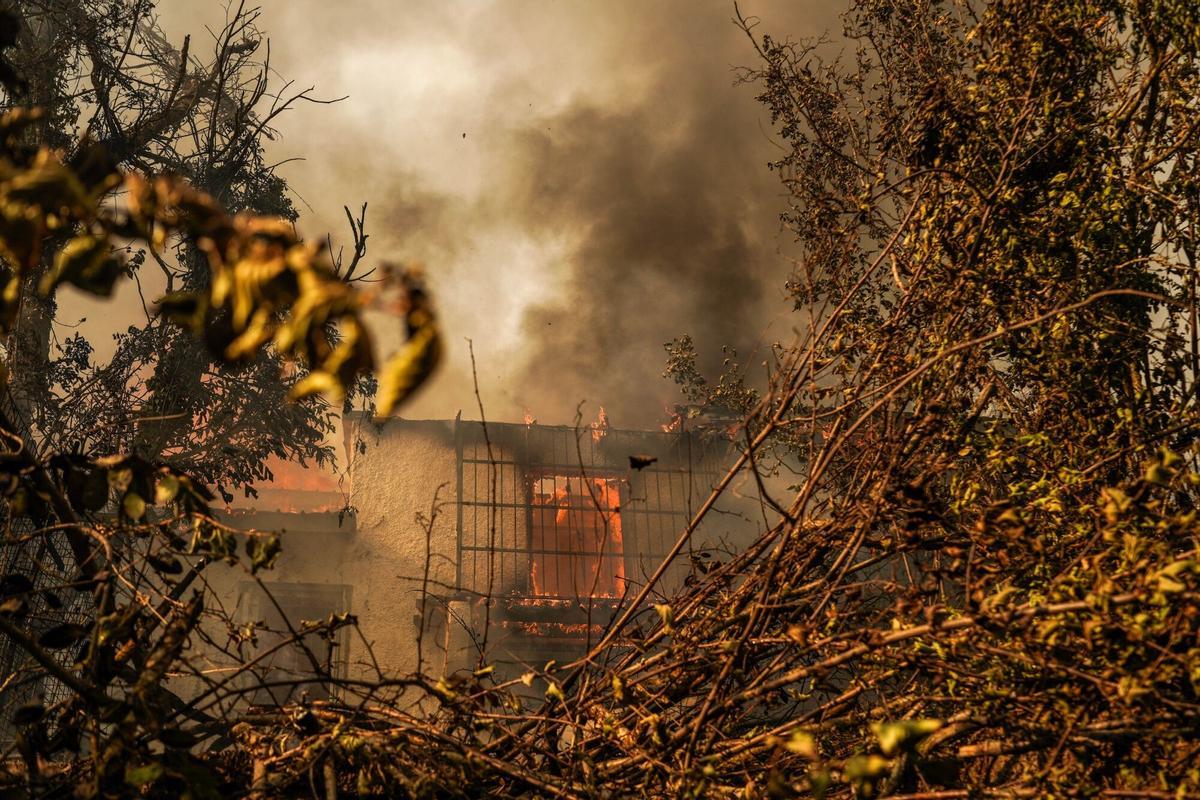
[985,581]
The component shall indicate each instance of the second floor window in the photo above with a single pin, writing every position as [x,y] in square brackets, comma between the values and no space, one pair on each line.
[576,547]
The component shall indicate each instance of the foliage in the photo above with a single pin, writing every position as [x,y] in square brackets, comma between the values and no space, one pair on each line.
[986,580]
[106,76]
[126,520]
[730,396]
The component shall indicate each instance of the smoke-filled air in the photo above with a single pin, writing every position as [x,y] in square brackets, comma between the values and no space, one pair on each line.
[599,399]
[582,182]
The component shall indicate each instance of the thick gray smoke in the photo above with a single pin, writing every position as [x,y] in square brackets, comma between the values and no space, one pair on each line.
[673,236]
[582,180]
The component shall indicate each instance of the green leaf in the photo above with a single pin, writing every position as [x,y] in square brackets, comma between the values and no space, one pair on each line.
[134,506]
[903,735]
[443,689]
[144,774]
[819,780]
[167,489]
[861,768]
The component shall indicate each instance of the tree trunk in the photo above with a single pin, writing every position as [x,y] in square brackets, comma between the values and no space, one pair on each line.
[29,354]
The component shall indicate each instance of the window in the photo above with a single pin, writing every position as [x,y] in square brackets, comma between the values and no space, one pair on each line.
[556,513]
[284,668]
[576,548]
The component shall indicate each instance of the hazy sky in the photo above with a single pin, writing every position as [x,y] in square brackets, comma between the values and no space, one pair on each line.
[581,180]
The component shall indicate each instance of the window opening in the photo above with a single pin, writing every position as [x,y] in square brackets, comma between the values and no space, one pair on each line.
[289,665]
[576,544]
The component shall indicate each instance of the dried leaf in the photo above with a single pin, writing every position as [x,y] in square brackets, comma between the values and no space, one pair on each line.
[408,369]
[62,636]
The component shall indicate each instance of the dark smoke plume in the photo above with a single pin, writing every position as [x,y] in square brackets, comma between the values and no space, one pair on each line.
[674,236]
[582,180]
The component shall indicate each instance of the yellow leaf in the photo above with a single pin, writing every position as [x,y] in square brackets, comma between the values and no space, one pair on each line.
[443,690]
[861,768]
[802,744]
[87,262]
[255,335]
[894,736]
[409,368]
[668,616]
[317,383]
[167,489]
[134,505]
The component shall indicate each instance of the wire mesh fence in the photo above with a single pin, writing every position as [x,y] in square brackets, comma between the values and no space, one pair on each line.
[44,561]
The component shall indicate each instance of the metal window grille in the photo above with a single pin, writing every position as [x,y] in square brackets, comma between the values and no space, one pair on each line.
[557,513]
[576,542]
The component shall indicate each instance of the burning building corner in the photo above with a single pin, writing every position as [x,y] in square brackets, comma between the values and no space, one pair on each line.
[512,544]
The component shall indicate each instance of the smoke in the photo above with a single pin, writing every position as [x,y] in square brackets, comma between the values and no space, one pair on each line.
[583,181]
[669,236]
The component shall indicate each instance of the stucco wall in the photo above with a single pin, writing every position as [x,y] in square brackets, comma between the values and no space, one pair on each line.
[399,470]
[372,558]
[377,553]
[405,469]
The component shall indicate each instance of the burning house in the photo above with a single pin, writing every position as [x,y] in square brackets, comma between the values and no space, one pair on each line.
[462,543]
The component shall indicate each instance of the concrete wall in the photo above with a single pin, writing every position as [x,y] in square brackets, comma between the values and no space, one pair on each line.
[403,520]
[398,471]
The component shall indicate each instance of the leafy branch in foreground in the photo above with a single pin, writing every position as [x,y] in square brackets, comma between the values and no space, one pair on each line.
[132,524]
[267,285]
[984,579]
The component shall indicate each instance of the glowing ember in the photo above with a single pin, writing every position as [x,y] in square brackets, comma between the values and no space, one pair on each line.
[544,629]
[295,489]
[676,415]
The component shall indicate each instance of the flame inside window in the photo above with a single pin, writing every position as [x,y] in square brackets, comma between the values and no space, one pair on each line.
[575,544]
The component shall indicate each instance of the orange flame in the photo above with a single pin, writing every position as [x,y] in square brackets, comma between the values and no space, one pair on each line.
[578,549]
[295,488]
[675,417]
[600,426]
